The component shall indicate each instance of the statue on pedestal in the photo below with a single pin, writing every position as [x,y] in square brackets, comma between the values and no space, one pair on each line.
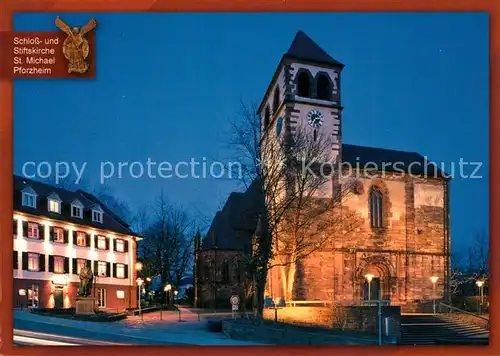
[86,280]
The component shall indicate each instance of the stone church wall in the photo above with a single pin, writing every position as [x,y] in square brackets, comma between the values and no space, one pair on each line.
[405,254]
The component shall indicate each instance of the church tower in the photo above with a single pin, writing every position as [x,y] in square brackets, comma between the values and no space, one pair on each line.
[305,93]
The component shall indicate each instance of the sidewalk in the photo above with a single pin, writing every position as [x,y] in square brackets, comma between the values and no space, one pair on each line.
[189,332]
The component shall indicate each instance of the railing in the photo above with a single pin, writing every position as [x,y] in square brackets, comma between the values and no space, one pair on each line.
[473,318]
[294,303]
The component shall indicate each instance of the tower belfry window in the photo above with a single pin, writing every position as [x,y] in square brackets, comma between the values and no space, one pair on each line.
[304,85]
[323,89]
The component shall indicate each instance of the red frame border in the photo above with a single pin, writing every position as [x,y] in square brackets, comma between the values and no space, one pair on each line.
[8,7]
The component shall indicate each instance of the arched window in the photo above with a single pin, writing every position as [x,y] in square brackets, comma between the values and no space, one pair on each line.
[276,100]
[267,118]
[376,208]
[323,87]
[304,85]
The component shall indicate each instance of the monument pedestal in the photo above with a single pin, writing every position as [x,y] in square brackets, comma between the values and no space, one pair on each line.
[85,306]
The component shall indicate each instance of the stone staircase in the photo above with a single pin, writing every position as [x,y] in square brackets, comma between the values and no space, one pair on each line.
[439,329]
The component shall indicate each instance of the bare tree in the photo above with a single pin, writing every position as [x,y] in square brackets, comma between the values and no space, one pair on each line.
[457,276]
[478,254]
[119,207]
[299,195]
[168,242]
[70,182]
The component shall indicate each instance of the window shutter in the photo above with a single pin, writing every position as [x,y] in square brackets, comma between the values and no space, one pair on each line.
[25,261]
[107,243]
[87,240]
[108,269]
[25,228]
[14,228]
[96,267]
[114,270]
[51,236]
[41,231]
[126,271]
[66,264]
[95,241]
[75,240]
[41,262]
[125,245]
[66,236]
[74,261]
[51,263]
[114,245]
[15,259]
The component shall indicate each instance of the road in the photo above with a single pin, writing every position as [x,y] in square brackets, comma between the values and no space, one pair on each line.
[33,333]
[31,338]
[154,328]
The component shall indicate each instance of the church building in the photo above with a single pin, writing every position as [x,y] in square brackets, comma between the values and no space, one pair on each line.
[400,250]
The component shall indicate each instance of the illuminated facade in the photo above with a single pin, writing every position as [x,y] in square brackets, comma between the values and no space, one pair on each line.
[56,232]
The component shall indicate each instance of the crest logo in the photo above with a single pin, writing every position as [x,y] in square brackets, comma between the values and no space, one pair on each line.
[76,47]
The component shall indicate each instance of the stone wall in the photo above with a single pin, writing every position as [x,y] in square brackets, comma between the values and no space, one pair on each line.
[353,318]
[214,288]
[410,248]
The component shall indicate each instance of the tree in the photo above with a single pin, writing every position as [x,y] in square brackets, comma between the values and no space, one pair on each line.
[68,183]
[478,254]
[297,214]
[121,209]
[457,276]
[167,248]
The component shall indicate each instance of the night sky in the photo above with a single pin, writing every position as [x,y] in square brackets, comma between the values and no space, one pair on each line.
[167,85]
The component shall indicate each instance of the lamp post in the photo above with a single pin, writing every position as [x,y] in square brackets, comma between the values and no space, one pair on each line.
[138,267]
[139,284]
[434,280]
[167,289]
[480,285]
[369,278]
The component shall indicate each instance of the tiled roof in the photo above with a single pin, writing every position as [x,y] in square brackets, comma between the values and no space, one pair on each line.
[303,47]
[110,221]
[233,226]
[409,162]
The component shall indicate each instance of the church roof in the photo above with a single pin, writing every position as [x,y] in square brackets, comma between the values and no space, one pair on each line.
[390,160]
[303,47]
[232,227]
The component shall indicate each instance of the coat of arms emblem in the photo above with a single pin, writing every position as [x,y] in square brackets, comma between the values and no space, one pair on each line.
[76,47]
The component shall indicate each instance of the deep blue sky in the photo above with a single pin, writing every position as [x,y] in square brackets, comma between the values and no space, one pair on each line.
[166,85]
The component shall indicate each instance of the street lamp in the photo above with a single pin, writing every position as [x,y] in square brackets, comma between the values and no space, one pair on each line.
[434,280]
[167,289]
[139,284]
[480,285]
[369,278]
